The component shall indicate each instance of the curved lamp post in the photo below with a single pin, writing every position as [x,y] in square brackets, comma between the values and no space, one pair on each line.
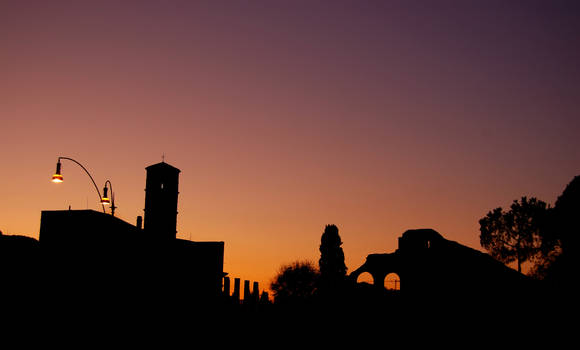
[105,200]
[57,177]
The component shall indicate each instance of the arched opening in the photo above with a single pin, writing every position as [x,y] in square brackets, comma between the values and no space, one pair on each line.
[392,281]
[365,277]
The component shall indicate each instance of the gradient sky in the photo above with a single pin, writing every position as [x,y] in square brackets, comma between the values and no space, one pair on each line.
[285,116]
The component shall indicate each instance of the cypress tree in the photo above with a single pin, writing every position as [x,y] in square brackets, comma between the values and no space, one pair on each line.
[332,267]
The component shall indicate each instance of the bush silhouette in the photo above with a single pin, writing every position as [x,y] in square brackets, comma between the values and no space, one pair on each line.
[295,283]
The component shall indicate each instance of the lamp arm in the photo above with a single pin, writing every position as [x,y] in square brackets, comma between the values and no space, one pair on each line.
[110,186]
[112,197]
[86,171]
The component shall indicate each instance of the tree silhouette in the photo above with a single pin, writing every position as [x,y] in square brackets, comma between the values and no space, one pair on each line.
[565,234]
[331,263]
[295,283]
[515,235]
[567,216]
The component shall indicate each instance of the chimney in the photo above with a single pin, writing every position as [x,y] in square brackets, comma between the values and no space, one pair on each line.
[247,294]
[227,286]
[236,295]
[255,292]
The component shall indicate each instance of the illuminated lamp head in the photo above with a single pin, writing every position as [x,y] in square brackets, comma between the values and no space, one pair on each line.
[57,177]
[105,199]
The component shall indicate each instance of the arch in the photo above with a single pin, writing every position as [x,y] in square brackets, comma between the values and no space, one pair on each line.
[378,266]
[365,277]
[392,282]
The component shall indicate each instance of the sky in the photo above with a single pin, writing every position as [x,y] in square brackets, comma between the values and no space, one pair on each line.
[286,116]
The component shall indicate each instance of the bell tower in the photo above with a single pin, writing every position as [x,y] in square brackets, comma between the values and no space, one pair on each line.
[161,191]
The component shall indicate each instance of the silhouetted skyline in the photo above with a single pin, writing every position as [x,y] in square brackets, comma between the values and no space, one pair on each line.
[377,116]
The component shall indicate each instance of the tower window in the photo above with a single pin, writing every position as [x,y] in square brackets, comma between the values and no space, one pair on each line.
[162,185]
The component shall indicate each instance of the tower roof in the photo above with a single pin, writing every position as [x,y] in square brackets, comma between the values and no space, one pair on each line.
[162,165]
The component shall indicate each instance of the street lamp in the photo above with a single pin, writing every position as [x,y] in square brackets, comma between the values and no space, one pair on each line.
[57,177]
[105,200]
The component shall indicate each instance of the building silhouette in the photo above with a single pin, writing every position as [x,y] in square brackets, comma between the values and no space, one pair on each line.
[106,254]
[161,192]
[429,266]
